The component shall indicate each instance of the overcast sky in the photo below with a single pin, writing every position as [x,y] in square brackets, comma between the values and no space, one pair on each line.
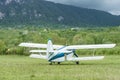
[112,6]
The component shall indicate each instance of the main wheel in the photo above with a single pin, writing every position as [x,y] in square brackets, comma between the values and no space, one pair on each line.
[77,62]
[50,63]
[58,62]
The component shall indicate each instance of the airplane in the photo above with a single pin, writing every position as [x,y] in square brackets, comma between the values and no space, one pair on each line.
[60,53]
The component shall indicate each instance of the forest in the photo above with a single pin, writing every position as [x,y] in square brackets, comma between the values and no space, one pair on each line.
[10,38]
[40,12]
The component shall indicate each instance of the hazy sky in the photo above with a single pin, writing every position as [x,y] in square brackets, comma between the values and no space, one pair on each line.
[112,6]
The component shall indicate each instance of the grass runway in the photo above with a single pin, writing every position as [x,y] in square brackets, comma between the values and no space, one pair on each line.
[14,67]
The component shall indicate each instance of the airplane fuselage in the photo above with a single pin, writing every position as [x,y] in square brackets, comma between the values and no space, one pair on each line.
[59,56]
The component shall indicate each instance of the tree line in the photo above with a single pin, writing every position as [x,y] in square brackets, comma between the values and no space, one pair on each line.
[10,38]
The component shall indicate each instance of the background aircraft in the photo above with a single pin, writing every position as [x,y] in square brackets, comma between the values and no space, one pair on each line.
[60,53]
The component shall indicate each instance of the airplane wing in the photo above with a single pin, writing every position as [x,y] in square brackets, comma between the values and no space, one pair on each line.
[37,45]
[86,58]
[90,46]
[50,51]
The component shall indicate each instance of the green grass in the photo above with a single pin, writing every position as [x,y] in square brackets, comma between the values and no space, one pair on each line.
[24,68]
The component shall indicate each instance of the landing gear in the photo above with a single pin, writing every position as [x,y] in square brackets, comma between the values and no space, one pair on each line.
[58,62]
[50,63]
[77,62]
[54,63]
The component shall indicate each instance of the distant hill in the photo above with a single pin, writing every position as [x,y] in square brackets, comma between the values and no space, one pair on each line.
[37,12]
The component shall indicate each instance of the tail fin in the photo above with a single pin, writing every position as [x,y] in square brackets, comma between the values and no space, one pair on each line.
[49,47]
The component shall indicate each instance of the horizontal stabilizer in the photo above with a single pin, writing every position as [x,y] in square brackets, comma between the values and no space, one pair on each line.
[44,51]
[38,56]
[86,58]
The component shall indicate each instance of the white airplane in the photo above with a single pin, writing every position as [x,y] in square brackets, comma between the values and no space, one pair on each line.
[60,53]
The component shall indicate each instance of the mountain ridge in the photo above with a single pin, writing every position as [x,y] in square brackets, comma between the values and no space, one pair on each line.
[37,12]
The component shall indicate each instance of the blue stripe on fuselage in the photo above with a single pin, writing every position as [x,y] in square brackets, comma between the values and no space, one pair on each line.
[57,56]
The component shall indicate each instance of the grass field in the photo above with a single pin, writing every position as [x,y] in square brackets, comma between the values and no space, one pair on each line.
[14,67]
